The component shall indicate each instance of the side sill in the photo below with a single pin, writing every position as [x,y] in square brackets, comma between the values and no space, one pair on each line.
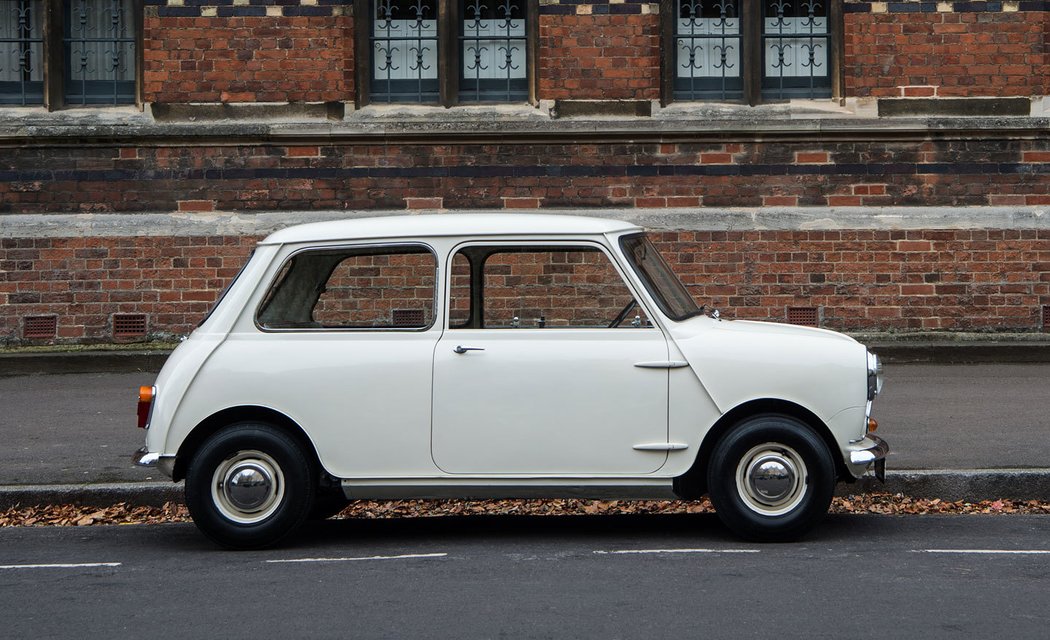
[504,489]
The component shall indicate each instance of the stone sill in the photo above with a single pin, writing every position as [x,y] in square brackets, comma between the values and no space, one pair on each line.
[678,122]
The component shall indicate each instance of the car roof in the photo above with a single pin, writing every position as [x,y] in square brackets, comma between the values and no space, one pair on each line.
[447,224]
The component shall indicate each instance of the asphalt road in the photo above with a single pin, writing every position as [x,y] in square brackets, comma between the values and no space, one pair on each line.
[81,428]
[533,577]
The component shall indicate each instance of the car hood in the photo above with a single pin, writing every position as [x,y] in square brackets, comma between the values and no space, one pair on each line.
[738,361]
[693,326]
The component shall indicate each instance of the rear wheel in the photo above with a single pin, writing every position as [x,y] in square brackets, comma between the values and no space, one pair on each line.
[771,478]
[249,486]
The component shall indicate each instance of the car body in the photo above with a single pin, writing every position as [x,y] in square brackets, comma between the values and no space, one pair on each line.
[497,355]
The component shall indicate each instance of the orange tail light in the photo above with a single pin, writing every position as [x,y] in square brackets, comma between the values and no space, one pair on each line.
[145,402]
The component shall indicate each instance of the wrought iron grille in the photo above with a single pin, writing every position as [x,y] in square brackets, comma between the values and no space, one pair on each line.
[795,50]
[21,52]
[404,51]
[99,43]
[707,58]
[493,51]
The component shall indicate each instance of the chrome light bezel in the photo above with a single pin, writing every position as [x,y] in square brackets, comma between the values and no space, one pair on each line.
[874,376]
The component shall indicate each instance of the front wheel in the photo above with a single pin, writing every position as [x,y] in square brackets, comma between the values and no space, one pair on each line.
[249,486]
[771,478]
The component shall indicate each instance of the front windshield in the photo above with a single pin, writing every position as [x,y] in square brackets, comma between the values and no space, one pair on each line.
[658,278]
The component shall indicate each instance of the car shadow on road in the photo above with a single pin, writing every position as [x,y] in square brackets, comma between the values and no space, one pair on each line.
[694,529]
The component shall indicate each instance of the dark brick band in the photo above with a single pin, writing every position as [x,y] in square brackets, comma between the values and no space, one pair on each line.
[957,7]
[553,171]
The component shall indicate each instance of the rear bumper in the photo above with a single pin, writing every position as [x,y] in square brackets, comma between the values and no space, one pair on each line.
[145,458]
[869,453]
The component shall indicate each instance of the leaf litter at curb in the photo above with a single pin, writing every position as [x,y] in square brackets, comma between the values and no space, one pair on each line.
[875,503]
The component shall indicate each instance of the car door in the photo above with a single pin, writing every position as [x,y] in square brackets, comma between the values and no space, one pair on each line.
[547,366]
[342,344]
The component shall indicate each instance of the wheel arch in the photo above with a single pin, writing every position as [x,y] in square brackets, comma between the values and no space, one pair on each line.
[693,483]
[215,422]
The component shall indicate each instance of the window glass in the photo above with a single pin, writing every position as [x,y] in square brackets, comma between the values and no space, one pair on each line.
[99,43]
[404,50]
[658,278]
[493,50]
[556,287]
[364,288]
[21,52]
[795,50]
[708,48]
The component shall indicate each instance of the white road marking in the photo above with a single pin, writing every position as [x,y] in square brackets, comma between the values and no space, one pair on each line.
[83,565]
[637,551]
[402,557]
[990,552]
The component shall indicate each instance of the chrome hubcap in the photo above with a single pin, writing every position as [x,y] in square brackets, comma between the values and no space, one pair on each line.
[771,479]
[248,487]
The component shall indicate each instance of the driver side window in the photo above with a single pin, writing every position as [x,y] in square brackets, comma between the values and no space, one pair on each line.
[566,287]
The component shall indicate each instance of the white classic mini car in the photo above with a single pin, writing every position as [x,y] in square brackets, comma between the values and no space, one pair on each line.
[480,356]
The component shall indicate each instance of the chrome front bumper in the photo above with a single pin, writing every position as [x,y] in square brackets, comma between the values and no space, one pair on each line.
[144,458]
[872,451]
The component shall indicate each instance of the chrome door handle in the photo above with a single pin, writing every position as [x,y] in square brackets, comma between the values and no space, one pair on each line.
[462,349]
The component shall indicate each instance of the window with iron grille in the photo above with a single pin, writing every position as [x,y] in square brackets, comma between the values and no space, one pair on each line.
[446,52]
[69,52]
[21,52]
[751,50]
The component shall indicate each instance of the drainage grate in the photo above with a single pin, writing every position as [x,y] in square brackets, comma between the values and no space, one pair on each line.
[1046,317]
[806,316]
[130,325]
[409,318]
[40,327]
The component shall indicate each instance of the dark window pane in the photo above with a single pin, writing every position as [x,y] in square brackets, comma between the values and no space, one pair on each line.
[404,51]
[707,51]
[21,52]
[795,50]
[493,51]
[368,288]
[99,39]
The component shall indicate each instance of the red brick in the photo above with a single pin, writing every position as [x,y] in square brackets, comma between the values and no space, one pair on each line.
[424,203]
[811,157]
[196,205]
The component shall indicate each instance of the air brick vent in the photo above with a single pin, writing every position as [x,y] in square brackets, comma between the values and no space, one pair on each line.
[40,327]
[129,325]
[805,316]
[1046,317]
[409,318]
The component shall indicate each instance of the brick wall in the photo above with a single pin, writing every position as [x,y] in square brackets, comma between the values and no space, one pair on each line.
[85,281]
[599,51]
[963,279]
[872,280]
[946,49]
[268,51]
[966,171]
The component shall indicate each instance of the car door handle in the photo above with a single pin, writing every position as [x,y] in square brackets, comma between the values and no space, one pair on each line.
[462,349]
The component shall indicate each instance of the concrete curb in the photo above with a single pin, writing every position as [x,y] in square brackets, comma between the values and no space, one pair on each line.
[950,484]
[48,363]
[136,494]
[960,484]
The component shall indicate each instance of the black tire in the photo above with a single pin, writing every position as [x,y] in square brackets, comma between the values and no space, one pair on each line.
[227,493]
[792,495]
[327,504]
